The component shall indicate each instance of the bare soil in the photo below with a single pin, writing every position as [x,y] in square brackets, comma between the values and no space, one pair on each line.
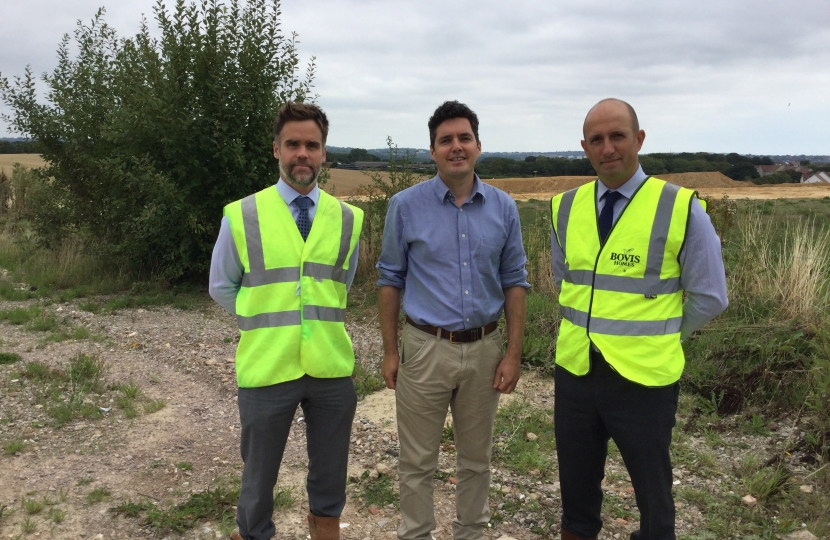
[183,358]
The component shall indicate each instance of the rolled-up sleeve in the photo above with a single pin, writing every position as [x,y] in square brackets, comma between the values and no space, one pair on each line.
[512,269]
[393,263]
[225,269]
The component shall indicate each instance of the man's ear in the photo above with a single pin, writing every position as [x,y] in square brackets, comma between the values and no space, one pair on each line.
[277,150]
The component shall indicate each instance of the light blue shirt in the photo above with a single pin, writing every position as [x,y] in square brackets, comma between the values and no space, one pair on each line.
[226,269]
[452,263]
[702,275]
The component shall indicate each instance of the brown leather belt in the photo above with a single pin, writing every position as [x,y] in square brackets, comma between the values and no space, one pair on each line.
[458,336]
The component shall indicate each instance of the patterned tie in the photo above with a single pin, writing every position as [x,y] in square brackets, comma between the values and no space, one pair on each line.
[606,217]
[303,221]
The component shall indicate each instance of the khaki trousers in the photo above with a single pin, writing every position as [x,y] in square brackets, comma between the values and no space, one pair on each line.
[434,374]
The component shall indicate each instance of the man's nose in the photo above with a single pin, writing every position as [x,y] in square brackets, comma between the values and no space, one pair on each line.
[607,147]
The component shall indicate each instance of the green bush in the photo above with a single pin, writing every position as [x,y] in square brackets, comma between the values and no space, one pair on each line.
[147,138]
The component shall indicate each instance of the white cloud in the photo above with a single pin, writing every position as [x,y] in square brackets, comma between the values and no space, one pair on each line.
[729,75]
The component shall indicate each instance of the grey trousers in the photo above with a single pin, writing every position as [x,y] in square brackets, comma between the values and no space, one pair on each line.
[266,414]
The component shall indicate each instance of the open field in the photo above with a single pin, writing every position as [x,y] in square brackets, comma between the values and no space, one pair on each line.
[345,183]
[7,161]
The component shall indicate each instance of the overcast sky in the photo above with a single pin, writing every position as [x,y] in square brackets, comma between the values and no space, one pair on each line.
[748,76]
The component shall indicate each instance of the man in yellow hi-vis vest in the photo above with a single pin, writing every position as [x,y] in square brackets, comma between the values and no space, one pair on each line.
[624,249]
[283,263]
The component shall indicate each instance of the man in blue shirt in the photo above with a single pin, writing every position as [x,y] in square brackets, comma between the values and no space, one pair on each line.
[453,245]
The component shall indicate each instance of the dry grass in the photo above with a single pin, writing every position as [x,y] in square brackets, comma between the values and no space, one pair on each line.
[29,161]
[794,275]
[802,272]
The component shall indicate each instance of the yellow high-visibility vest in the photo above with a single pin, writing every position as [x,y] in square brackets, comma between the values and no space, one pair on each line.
[623,296]
[292,301]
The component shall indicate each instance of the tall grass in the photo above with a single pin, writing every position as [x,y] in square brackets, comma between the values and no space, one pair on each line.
[778,273]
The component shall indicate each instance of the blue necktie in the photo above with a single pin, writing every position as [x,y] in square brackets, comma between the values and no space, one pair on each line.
[303,221]
[606,217]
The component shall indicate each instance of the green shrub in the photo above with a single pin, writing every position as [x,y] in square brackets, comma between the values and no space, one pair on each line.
[9,358]
[148,137]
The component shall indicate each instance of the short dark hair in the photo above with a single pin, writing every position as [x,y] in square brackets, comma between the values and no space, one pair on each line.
[447,111]
[298,112]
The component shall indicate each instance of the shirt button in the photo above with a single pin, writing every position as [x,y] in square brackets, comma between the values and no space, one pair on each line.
[466,292]
[463,236]
[468,319]
[465,263]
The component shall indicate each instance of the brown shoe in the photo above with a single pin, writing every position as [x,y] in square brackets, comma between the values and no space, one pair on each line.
[567,535]
[323,528]
[236,536]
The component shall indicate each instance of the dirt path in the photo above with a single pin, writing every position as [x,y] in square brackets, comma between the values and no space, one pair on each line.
[183,357]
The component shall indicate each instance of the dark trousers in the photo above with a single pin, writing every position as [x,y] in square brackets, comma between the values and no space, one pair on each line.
[589,410]
[266,414]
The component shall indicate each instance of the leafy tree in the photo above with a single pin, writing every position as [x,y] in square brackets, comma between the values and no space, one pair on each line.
[781,177]
[742,171]
[147,139]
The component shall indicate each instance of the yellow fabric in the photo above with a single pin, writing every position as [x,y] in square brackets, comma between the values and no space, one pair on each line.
[650,357]
[320,348]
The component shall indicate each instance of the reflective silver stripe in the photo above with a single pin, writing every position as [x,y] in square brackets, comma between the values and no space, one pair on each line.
[253,239]
[320,271]
[272,275]
[579,318]
[604,282]
[635,328]
[579,277]
[345,235]
[269,320]
[322,313]
[621,328]
[563,216]
[660,230]
[646,285]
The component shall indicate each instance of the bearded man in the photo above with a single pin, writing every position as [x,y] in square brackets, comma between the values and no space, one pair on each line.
[283,263]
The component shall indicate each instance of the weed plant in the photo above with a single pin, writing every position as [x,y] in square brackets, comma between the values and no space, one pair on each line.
[97,495]
[379,492]
[514,448]
[215,504]
[13,447]
[366,380]
[284,498]
[9,358]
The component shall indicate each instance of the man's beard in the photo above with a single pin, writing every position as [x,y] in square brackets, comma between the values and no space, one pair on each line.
[296,180]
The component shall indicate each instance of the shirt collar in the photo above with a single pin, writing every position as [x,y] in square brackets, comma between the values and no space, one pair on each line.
[628,189]
[443,192]
[288,193]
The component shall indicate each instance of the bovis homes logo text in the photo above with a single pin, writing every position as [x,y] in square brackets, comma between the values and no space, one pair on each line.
[626,258]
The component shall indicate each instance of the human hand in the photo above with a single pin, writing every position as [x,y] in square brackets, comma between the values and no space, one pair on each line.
[389,369]
[507,374]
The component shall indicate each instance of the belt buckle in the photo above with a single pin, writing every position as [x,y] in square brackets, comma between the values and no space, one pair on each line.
[452,341]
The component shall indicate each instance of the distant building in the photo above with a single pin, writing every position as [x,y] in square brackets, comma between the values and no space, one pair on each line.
[766,170]
[371,164]
[816,178]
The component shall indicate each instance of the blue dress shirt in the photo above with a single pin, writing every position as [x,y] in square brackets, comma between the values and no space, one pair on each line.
[453,263]
[702,275]
[225,267]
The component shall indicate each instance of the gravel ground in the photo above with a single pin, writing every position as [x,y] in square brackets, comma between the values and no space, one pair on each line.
[186,359]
